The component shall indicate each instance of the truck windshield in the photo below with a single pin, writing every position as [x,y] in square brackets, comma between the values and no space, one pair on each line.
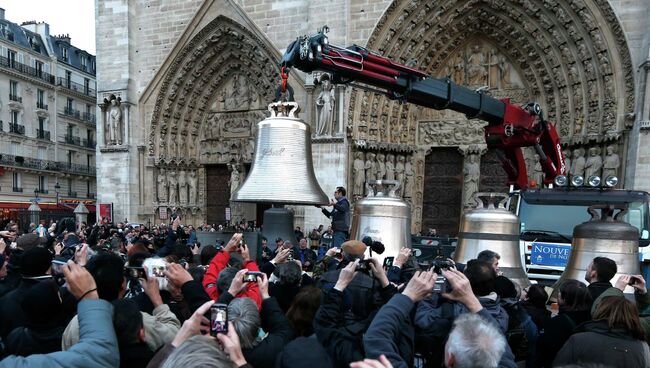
[563,218]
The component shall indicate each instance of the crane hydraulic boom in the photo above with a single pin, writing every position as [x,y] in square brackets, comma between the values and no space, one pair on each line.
[510,127]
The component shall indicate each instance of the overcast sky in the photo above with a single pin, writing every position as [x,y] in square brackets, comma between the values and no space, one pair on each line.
[75,17]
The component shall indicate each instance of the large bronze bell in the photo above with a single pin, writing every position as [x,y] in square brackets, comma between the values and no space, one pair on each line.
[384,217]
[490,226]
[282,170]
[605,235]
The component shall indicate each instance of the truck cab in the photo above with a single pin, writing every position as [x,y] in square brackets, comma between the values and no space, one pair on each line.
[548,216]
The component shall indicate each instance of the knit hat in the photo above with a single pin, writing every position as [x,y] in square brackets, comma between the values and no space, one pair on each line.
[353,247]
[35,262]
[303,352]
[28,241]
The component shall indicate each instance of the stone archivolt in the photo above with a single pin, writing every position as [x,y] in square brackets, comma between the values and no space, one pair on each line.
[570,56]
[221,72]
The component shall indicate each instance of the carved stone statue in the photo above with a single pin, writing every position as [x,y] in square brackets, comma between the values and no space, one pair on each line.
[538,173]
[235,179]
[390,167]
[476,70]
[409,180]
[182,187]
[399,169]
[594,162]
[371,167]
[358,173]
[173,187]
[325,104]
[567,161]
[193,186]
[381,166]
[578,164]
[612,162]
[161,181]
[471,175]
[114,122]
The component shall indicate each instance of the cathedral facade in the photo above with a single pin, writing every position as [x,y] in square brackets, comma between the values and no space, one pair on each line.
[191,79]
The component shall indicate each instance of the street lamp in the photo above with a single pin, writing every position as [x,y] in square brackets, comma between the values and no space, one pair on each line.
[34,210]
[56,190]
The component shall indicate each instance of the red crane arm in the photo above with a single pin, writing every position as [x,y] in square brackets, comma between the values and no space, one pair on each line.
[510,127]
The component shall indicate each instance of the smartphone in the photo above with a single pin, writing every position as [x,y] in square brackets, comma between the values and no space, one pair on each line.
[388,262]
[633,281]
[57,267]
[136,272]
[218,319]
[252,276]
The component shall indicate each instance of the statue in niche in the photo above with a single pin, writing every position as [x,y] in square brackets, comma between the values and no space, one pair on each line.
[390,167]
[325,105]
[235,178]
[612,162]
[239,95]
[567,161]
[399,169]
[381,166]
[504,71]
[594,163]
[161,181]
[538,173]
[476,71]
[577,130]
[114,120]
[409,176]
[578,164]
[192,182]
[182,187]
[471,174]
[458,64]
[358,173]
[173,187]
[371,167]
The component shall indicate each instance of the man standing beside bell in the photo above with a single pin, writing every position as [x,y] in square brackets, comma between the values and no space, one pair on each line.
[340,215]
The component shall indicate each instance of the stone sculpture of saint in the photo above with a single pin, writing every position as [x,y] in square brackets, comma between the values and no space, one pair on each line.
[325,103]
[471,175]
[409,180]
[399,169]
[390,167]
[381,166]
[612,162]
[371,167]
[161,181]
[358,173]
[538,173]
[182,187]
[578,163]
[567,161]
[594,163]
[114,121]
[192,182]
[235,179]
[173,187]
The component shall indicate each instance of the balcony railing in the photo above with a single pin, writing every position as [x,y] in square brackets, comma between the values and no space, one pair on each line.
[27,70]
[89,143]
[72,194]
[34,163]
[73,140]
[16,128]
[41,105]
[43,191]
[90,195]
[2,127]
[16,98]
[77,87]
[43,134]
[88,117]
[72,112]
[17,190]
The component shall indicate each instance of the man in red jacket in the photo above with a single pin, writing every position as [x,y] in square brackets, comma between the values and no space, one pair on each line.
[214,277]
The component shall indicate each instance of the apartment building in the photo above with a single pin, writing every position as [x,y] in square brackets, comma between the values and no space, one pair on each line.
[47,122]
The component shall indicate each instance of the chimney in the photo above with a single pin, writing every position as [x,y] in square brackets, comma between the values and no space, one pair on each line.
[2,13]
[63,38]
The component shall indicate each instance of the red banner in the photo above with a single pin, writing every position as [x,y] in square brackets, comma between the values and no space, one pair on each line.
[106,213]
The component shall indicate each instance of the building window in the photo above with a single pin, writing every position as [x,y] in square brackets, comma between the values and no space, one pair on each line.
[84,62]
[14,117]
[38,66]
[40,99]
[41,152]
[70,104]
[17,182]
[89,159]
[64,53]
[88,188]
[86,86]
[70,157]
[11,56]
[13,91]
[42,184]
[15,149]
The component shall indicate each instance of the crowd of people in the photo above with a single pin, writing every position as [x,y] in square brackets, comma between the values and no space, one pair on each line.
[127,296]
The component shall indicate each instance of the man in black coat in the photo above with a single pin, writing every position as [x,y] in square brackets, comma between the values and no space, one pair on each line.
[340,215]
[599,274]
